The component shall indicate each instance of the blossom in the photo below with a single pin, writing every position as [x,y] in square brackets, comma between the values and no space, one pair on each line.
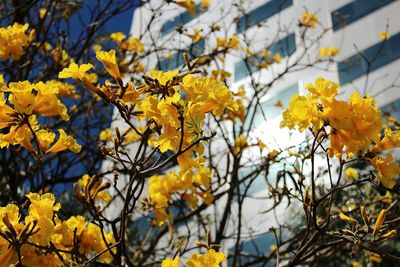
[212,258]
[117,37]
[132,45]
[65,142]
[240,144]
[63,89]
[351,173]
[308,20]
[330,51]
[387,170]
[232,42]
[109,62]
[390,140]
[302,111]
[14,40]
[384,35]
[190,5]
[205,4]
[170,262]
[75,72]
[192,185]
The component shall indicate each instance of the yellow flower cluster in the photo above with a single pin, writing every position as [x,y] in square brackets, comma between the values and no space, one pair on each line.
[211,258]
[232,42]
[175,106]
[201,96]
[308,20]
[330,51]
[13,40]
[190,186]
[355,125]
[131,44]
[20,102]
[37,237]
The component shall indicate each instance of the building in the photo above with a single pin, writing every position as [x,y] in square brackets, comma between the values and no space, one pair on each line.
[354,26]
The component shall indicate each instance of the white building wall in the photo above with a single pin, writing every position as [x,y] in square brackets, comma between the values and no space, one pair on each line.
[362,33]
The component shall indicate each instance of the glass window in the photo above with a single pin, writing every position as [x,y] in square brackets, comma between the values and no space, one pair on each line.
[261,13]
[176,61]
[392,109]
[285,46]
[380,54]
[271,107]
[180,20]
[354,11]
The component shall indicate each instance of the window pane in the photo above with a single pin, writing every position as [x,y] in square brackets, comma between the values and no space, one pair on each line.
[380,54]
[355,11]
[262,13]
[180,20]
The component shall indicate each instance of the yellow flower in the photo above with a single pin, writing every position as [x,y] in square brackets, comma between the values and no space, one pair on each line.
[261,144]
[389,141]
[375,257]
[323,89]
[65,142]
[132,95]
[22,98]
[220,75]
[240,144]
[330,51]
[19,135]
[75,72]
[232,42]
[309,20]
[205,4]
[367,119]
[132,45]
[42,13]
[109,62]
[301,112]
[387,170]
[6,113]
[196,36]
[42,205]
[63,89]
[45,229]
[94,187]
[211,95]
[47,102]
[14,40]
[210,259]
[163,77]
[105,135]
[272,154]
[45,139]
[170,262]
[61,56]
[190,5]
[118,37]
[383,36]
[351,173]
[277,58]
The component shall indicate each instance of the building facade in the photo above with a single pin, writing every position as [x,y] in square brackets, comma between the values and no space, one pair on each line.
[366,62]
